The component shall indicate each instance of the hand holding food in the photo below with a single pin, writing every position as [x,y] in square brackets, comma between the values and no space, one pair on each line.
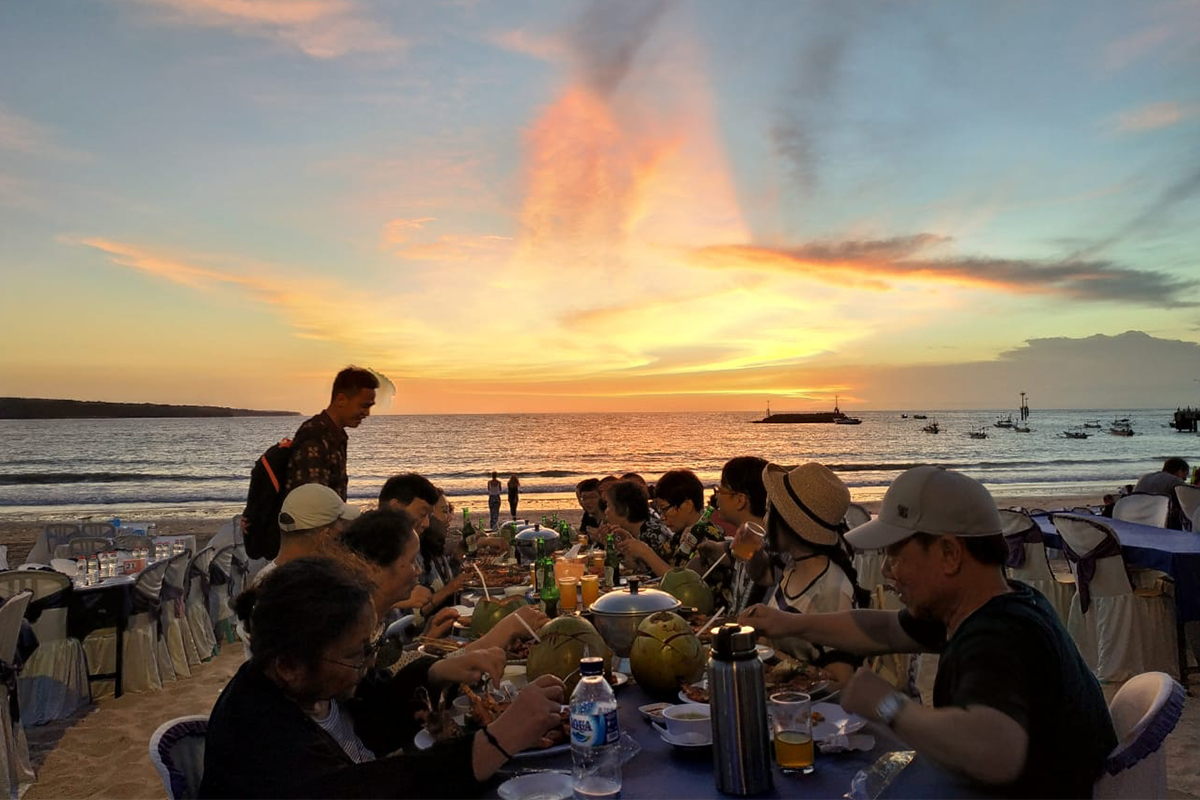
[470,667]
[441,622]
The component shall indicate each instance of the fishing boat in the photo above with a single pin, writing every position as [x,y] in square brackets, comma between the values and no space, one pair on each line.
[978,433]
[932,427]
[1022,429]
[920,416]
[1074,433]
[819,416]
[1005,422]
[848,421]
[1121,427]
[1093,423]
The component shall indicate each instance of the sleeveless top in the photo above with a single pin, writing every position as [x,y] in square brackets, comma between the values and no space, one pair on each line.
[829,591]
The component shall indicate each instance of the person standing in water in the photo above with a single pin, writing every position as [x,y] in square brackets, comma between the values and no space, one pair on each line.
[494,502]
[514,493]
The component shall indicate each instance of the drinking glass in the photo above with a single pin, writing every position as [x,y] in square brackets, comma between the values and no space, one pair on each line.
[589,586]
[567,595]
[748,539]
[791,721]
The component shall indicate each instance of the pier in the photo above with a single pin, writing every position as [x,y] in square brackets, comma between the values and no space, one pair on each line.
[1186,419]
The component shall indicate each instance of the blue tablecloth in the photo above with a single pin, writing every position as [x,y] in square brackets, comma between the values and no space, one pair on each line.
[1176,553]
[661,771]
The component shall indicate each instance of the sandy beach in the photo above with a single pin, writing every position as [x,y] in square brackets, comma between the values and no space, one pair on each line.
[103,752]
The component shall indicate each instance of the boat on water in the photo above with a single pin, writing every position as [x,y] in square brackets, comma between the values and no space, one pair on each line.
[932,427]
[904,416]
[818,416]
[1121,427]
[1022,429]
[1093,423]
[1005,422]
[920,416]
[1074,433]
[978,433]
[848,421]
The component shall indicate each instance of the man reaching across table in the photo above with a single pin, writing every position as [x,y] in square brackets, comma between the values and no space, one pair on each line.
[1014,704]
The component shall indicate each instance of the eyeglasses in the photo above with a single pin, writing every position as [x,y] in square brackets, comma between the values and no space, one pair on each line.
[369,651]
[722,490]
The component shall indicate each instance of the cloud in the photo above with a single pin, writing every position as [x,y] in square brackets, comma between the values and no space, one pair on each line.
[398,231]
[1175,194]
[1154,117]
[318,28]
[523,42]
[880,263]
[22,135]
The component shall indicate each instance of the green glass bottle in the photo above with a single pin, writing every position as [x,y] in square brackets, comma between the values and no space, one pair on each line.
[540,550]
[612,563]
[549,590]
[468,534]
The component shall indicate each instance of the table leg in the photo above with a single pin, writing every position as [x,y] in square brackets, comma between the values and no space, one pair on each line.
[118,680]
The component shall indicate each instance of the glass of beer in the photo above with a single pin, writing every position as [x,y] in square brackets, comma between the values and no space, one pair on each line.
[598,563]
[791,721]
[589,586]
[747,540]
[567,595]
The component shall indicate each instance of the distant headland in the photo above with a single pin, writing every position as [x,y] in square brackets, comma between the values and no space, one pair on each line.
[39,408]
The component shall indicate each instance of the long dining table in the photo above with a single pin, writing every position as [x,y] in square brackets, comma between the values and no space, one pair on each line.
[1176,553]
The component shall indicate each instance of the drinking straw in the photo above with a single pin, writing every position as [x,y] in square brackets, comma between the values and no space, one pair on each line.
[711,619]
[486,594]
[714,566]
[532,632]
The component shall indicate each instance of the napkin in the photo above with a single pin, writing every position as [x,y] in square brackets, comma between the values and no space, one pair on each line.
[840,743]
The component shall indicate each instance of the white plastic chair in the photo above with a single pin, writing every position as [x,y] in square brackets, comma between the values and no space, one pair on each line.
[177,752]
[15,769]
[1143,711]
[54,680]
[1189,501]
[1120,633]
[52,535]
[101,530]
[1147,509]
[1035,570]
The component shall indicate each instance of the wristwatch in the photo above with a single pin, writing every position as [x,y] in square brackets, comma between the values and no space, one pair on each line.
[889,708]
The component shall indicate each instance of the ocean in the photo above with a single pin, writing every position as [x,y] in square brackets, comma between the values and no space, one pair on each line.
[200,467]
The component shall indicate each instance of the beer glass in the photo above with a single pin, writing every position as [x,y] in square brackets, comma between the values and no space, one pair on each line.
[791,721]
[567,595]
[747,540]
[589,586]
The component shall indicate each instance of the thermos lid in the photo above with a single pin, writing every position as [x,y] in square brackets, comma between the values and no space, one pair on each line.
[733,641]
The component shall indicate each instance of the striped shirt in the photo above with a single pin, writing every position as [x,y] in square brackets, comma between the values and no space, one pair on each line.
[341,728]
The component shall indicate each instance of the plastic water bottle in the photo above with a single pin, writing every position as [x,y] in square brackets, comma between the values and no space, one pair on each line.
[595,735]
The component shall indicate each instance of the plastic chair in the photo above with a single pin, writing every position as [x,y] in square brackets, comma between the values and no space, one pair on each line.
[99,530]
[51,537]
[15,769]
[1189,502]
[195,605]
[177,752]
[83,546]
[1147,509]
[1120,631]
[53,683]
[173,626]
[1034,569]
[1143,711]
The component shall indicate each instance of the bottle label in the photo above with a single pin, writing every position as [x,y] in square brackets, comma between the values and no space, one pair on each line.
[594,730]
[608,576]
[687,543]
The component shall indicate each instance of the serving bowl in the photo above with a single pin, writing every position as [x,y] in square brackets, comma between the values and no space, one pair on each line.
[618,613]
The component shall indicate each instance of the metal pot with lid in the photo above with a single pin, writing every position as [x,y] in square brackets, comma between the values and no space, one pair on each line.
[527,539]
[618,613]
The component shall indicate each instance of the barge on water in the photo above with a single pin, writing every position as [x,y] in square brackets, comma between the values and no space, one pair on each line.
[835,416]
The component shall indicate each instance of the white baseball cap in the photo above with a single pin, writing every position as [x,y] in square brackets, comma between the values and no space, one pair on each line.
[313,506]
[933,500]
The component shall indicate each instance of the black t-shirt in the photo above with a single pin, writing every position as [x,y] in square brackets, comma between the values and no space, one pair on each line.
[1013,655]
[588,522]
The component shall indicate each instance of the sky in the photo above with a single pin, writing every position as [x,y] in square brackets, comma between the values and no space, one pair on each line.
[601,206]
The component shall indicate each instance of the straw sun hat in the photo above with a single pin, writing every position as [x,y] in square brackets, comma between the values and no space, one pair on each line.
[810,498]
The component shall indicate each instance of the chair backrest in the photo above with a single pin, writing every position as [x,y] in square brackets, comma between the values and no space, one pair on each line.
[222,561]
[1035,566]
[49,619]
[131,541]
[1084,535]
[856,515]
[11,614]
[149,582]
[177,570]
[1148,509]
[60,533]
[177,752]
[41,582]
[87,546]
[3,556]
[102,529]
[202,560]
[1189,501]
[1143,711]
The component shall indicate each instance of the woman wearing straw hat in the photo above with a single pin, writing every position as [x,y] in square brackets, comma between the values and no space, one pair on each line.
[805,507]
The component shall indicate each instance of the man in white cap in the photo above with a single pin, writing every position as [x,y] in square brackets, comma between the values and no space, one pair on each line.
[1014,704]
[311,515]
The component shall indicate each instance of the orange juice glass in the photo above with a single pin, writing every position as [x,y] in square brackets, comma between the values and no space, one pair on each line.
[567,594]
[589,586]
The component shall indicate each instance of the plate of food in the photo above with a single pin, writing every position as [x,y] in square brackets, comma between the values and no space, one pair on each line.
[497,576]
[619,679]
[653,712]
[795,677]
[482,710]
[830,719]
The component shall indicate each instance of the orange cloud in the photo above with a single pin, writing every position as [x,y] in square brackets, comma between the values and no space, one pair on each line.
[22,135]
[397,231]
[318,28]
[1154,116]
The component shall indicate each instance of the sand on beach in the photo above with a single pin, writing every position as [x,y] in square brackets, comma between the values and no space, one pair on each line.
[104,751]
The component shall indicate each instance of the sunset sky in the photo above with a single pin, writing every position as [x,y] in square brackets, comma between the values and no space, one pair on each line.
[552,206]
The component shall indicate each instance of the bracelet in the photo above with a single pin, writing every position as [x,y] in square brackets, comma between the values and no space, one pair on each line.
[492,741]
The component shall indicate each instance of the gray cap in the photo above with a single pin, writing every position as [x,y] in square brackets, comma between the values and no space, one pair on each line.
[931,500]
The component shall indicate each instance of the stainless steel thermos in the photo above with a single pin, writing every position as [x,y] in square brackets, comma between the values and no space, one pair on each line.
[737,696]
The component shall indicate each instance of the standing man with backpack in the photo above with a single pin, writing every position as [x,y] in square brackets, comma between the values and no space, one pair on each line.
[319,446]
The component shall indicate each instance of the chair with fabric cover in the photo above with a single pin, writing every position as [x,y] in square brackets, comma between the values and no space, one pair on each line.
[140,670]
[221,594]
[173,623]
[196,604]
[83,546]
[1027,561]
[177,752]
[99,530]
[1146,509]
[867,563]
[1144,711]
[3,557]
[54,680]
[1188,497]
[16,771]
[1118,632]
[856,515]
[51,537]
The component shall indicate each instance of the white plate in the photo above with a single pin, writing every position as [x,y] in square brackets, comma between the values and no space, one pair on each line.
[837,721]
[690,741]
[764,653]
[424,741]
[619,680]
[683,698]
[540,785]
[653,711]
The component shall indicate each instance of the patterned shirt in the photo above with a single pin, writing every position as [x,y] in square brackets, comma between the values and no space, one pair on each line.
[319,455]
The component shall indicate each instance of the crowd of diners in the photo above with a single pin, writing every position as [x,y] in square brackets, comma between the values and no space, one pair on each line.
[312,712]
